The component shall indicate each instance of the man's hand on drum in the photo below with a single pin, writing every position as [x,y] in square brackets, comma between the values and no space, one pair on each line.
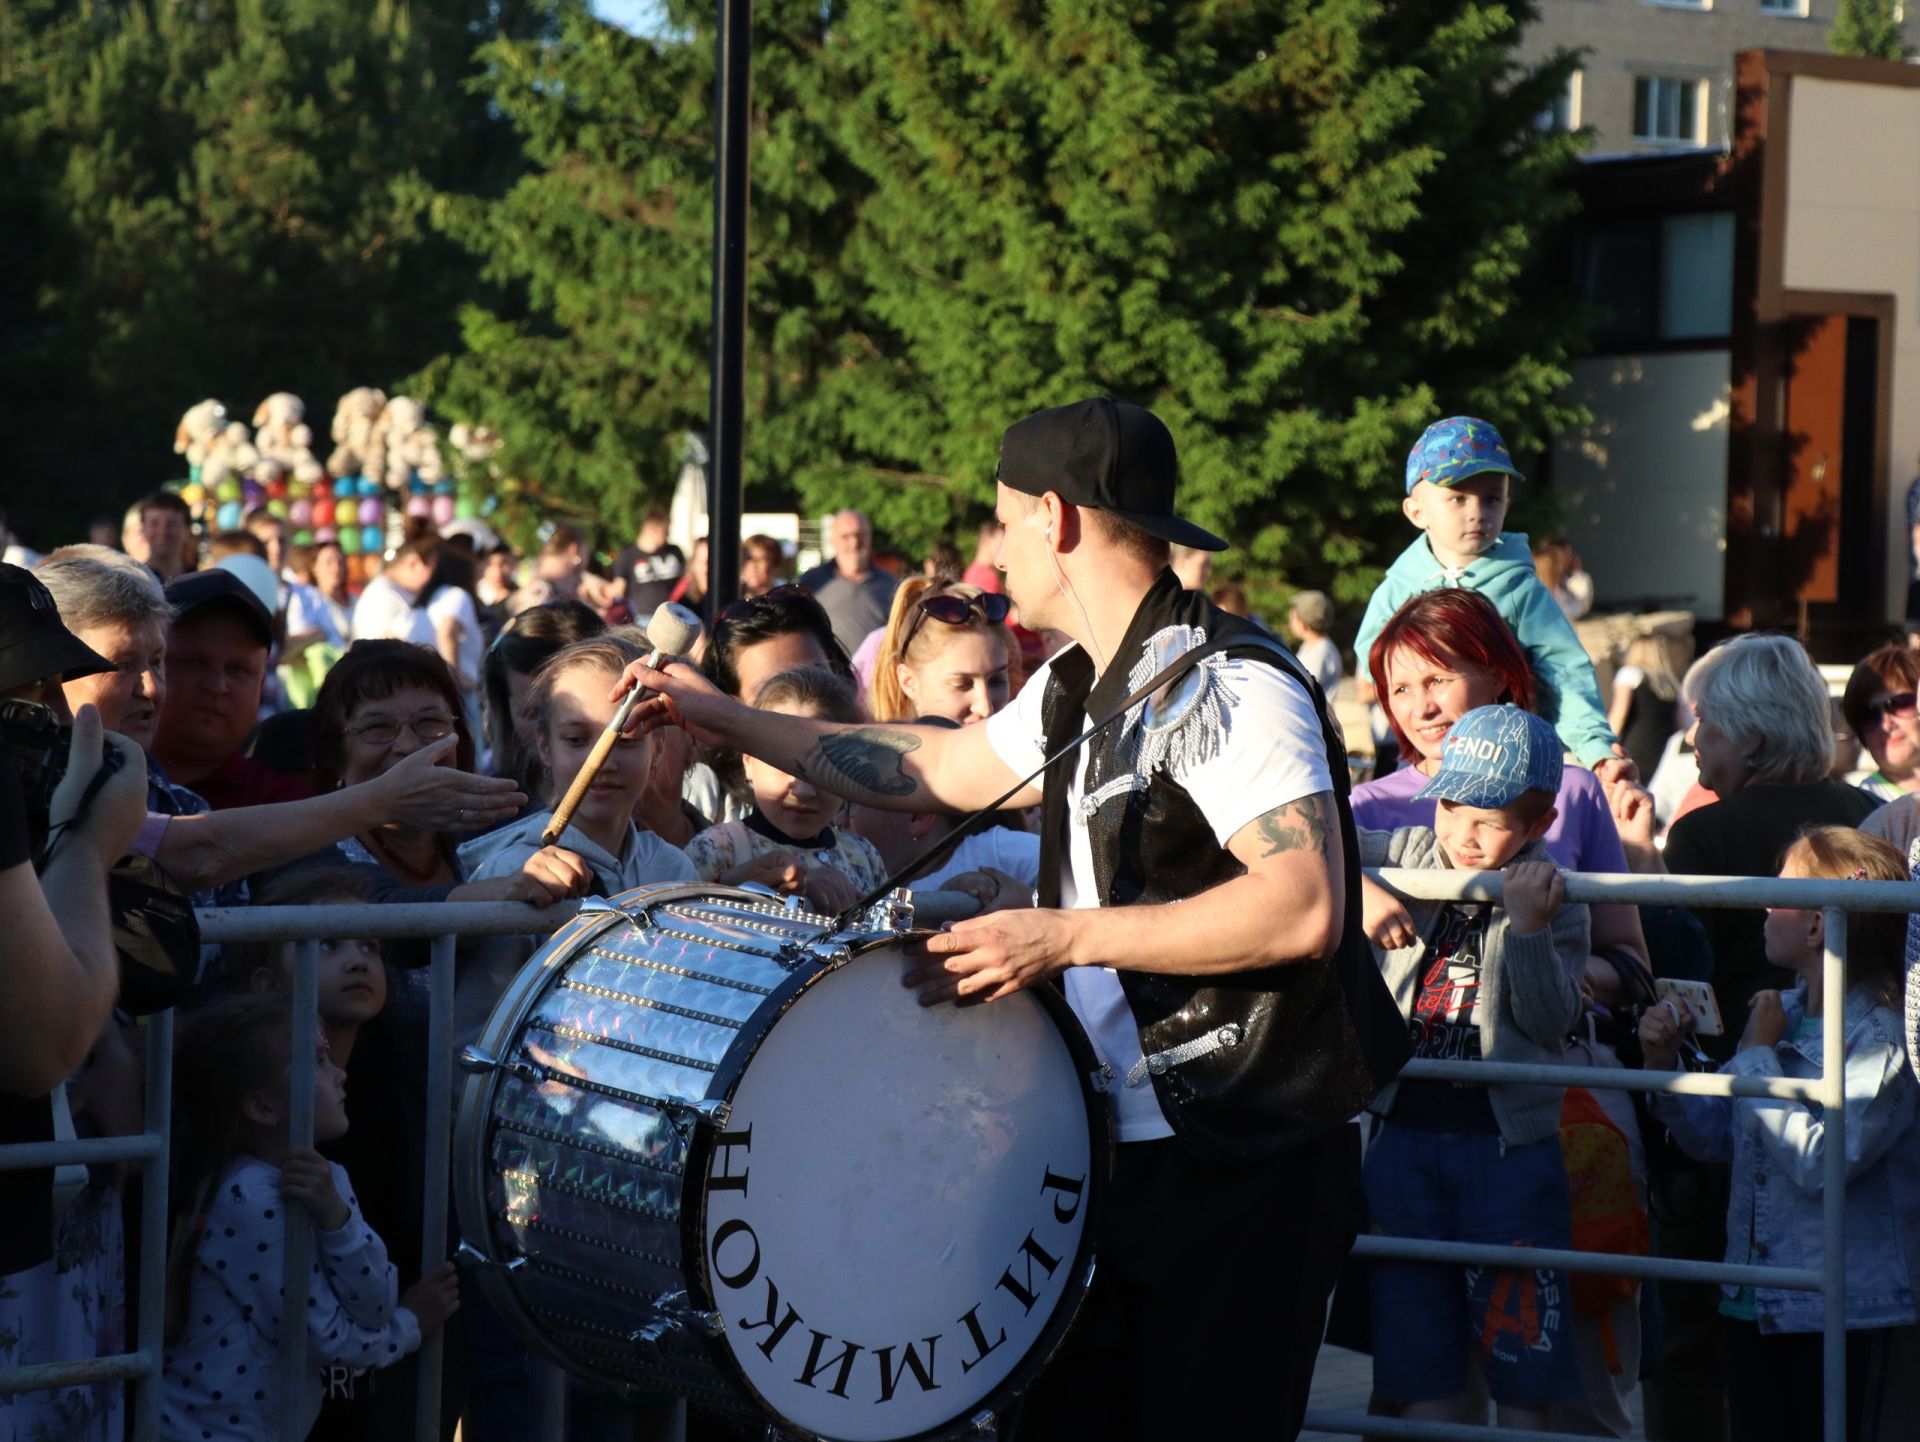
[681,697]
[987,957]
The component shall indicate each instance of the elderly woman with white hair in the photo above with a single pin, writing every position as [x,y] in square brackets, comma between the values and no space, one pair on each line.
[1763,734]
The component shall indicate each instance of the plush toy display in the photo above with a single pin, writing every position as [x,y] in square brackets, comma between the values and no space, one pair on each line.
[386,469]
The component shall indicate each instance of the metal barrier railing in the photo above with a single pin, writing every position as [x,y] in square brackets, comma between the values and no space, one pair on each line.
[443,923]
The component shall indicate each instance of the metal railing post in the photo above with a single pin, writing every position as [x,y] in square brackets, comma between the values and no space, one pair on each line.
[433,1229]
[1833,1199]
[150,1325]
[293,1316]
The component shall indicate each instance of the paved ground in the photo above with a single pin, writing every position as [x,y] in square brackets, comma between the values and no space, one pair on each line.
[1342,1381]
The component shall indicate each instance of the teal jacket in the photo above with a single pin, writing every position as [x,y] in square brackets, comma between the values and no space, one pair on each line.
[1569,693]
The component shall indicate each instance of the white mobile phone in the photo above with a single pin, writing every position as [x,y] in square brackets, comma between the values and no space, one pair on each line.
[1700,1000]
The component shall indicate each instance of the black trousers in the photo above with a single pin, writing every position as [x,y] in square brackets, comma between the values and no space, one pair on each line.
[1776,1391]
[1209,1297]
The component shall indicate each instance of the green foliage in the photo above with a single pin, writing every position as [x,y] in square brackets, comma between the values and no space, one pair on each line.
[1299,231]
[222,199]
[1868,27]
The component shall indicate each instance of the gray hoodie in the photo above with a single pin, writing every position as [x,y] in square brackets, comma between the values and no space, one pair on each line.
[1529,983]
[484,976]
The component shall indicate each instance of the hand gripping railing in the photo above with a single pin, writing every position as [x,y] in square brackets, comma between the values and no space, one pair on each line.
[444,922]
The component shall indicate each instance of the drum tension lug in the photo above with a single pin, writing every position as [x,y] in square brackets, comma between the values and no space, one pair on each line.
[685,1116]
[984,1424]
[476,1059]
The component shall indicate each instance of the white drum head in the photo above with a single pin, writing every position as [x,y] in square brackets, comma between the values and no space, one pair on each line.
[896,1204]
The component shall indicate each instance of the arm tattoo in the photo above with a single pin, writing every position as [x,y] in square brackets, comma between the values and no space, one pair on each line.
[866,759]
[1296,826]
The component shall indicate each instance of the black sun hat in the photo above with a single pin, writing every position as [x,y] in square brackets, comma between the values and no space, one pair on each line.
[34,643]
[1107,455]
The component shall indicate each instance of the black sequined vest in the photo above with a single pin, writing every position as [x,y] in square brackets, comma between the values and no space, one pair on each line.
[1250,1063]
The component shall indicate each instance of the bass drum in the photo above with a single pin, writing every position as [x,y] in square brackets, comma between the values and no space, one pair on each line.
[705,1149]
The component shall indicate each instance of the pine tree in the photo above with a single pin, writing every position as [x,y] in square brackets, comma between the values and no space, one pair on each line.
[224,199]
[601,368]
[1868,27]
[1298,231]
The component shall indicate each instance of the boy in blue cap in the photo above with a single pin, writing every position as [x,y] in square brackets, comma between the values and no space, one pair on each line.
[1467,1163]
[1457,477]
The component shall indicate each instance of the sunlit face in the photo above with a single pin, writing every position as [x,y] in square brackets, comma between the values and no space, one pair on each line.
[497,571]
[757,569]
[1722,758]
[1892,733]
[965,680]
[1427,697]
[1789,931]
[1483,838]
[128,697]
[578,711]
[165,534]
[757,663]
[415,716]
[330,570]
[852,542]
[1022,556]
[215,666]
[1462,520]
[797,808]
[269,532]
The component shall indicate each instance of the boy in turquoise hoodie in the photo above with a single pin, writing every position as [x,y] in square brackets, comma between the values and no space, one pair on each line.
[1457,477]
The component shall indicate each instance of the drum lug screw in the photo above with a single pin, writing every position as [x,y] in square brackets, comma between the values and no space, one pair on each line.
[468,1255]
[475,1059]
[984,1424]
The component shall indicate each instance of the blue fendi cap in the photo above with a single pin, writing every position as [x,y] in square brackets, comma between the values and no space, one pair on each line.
[1492,755]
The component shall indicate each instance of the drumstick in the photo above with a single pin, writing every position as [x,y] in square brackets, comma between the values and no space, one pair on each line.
[672,632]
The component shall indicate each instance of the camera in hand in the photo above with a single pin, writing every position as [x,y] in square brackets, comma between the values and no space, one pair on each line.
[37,744]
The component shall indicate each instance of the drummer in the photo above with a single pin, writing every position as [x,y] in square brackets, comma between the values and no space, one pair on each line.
[1216,839]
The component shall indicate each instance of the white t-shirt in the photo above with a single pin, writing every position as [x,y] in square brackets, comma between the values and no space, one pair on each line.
[1015,852]
[471,649]
[1272,753]
[308,609]
[384,612]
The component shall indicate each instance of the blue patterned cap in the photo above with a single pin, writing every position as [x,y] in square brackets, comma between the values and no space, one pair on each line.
[1458,447]
[1494,753]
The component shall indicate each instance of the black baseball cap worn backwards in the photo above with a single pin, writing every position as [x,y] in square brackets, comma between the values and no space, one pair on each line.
[34,643]
[1107,455]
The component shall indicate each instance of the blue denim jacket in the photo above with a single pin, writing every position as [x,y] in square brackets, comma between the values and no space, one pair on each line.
[1777,1150]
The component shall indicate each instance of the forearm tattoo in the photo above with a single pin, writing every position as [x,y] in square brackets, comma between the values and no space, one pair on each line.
[869,759]
[1297,825]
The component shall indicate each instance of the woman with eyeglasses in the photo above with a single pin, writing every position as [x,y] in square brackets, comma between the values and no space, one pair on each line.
[1880,710]
[382,702]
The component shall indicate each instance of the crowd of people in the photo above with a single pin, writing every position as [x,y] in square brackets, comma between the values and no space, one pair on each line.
[220,720]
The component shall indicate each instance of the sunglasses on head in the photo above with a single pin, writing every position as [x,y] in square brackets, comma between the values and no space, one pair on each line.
[1900,703]
[779,596]
[952,609]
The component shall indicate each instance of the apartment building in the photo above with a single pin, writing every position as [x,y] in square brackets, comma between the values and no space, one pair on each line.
[1658,74]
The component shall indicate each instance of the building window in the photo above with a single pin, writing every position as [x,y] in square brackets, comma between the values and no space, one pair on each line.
[1658,280]
[1564,113]
[1684,4]
[1669,111]
[1794,9]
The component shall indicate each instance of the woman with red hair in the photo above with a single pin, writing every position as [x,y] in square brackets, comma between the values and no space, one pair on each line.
[1437,658]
